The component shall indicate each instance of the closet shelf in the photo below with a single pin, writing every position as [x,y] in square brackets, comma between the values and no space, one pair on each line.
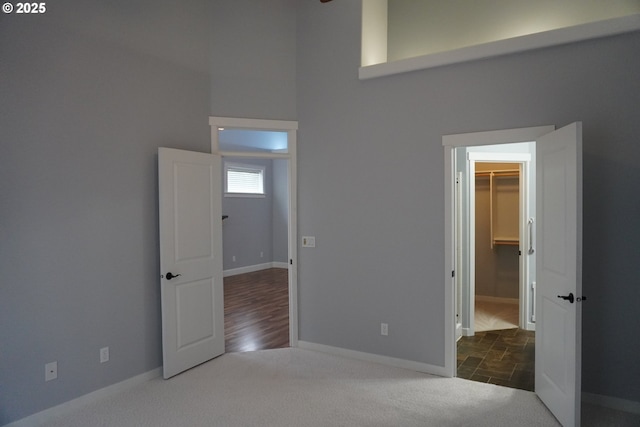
[504,231]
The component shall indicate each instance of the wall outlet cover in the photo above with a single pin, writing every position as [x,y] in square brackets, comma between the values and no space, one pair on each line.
[50,371]
[384,329]
[104,354]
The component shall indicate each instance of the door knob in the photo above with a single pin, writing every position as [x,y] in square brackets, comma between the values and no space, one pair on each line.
[170,276]
[567,297]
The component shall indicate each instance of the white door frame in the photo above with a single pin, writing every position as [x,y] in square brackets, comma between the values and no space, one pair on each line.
[523,160]
[450,143]
[290,127]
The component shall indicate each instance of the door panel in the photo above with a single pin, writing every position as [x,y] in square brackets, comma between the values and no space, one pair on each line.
[195,317]
[191,250]
[559,267]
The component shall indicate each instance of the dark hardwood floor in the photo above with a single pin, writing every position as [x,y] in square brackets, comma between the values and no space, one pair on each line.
[256,310]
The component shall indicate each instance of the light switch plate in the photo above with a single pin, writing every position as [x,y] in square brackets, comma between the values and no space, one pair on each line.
[308,241]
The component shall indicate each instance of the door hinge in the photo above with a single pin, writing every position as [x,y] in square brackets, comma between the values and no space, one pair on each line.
[291,261]
[453,273]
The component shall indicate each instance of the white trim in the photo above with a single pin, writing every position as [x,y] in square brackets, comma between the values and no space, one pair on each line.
[292,145]
[42,417]
[612,402]
[499,157]
[592,30]
[256,154]
[256,124]
[494,137]
[252,268]
[375,358]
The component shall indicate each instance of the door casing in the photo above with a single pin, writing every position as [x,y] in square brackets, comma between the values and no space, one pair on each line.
[525,261]
[450,143]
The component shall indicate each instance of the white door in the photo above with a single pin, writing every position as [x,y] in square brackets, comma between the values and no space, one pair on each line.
[190,258]
[559,272]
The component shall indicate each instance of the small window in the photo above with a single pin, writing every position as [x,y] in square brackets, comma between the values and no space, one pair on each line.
[243,180]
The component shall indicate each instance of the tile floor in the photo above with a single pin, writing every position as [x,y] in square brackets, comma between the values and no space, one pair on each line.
[504,357]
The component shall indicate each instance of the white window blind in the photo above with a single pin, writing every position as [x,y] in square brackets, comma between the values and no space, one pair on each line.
[244,179]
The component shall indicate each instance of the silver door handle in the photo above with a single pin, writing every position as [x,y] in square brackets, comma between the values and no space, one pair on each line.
[530,223]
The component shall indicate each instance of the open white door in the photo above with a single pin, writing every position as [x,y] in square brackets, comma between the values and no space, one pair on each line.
[190,258]
[559,272]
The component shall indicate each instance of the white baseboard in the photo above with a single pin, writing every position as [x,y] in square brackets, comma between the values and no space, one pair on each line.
[501,300]
[369,357]
[466,332]
[612,402]
[41,417]
[252,268]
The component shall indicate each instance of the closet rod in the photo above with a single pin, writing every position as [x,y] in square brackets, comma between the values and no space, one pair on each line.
[514,172]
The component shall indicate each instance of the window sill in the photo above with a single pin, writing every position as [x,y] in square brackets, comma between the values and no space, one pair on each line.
[248,195]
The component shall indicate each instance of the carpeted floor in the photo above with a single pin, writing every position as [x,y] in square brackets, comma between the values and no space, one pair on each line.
[294,387]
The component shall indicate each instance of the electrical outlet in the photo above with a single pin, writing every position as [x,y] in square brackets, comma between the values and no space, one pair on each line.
[104,354]
[50,371]
[233,258]
[261,254]
[384,329]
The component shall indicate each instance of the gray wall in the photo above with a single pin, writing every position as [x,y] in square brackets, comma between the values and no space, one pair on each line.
[260,224]
[371,186]
[88,92]
[249,229]
[254,49]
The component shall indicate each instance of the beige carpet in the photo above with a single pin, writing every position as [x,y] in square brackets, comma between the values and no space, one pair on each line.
[294,387]
[493,316]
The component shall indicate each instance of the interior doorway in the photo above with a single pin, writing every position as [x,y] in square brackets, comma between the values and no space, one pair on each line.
[498,339]
[463,152]
[494,244]
[558,236]
[255,247]
[497,246]
[260,284]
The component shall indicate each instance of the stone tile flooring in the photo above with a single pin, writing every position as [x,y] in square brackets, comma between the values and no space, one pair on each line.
[505,357]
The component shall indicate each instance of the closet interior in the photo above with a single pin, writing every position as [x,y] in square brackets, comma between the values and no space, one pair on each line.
[497,245]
